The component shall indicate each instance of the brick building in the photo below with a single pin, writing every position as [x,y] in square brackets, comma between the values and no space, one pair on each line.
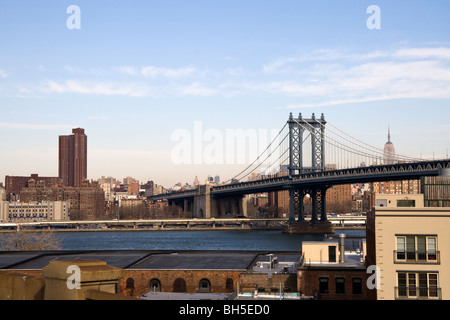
[86,202]
[73,158]
[330,273]
[14,184]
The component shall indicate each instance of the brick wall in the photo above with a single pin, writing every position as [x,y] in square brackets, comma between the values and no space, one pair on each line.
[308,283]
[140,282]
[250,282]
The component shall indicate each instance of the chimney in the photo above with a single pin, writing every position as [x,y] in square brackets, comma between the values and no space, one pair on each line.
[342,248]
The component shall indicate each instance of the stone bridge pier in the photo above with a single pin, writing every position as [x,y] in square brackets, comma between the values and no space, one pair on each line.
[208,206]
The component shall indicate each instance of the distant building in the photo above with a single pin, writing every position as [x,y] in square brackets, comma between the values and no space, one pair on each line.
[196,183]
[389,151]
[396,187]
[134,187]
[73,158]
[33,211]
[14,184]
[436,191]
[86,202]
[148,188]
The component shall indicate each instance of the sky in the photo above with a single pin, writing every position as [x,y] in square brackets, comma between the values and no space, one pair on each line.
[133,74]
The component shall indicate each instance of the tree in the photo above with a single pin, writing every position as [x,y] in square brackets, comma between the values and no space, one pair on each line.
[29,240]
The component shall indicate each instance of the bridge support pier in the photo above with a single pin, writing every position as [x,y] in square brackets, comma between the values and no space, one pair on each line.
[296,209]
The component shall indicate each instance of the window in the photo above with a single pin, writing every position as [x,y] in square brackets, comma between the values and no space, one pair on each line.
[417,285]
[204,286]
[229,285]
[323,285]
[431,245]
[340,285]
[406,203]
[155,285]
[416,249]
[130,286]
[331,254]
[401,248]
[357,286]
[179,285]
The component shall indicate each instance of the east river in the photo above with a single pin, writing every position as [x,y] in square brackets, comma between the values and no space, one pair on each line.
[258,240]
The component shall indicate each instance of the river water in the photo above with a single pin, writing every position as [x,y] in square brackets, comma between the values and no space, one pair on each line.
[265,240]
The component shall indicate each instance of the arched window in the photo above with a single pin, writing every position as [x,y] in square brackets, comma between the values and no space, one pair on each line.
[229,285]
[179,285]
[204,286]
[155,285]
[130,286]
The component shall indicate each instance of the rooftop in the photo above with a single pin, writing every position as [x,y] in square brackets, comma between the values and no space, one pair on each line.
[146,259]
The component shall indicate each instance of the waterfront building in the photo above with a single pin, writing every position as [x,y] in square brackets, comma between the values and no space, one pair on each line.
[73,158]
[33,211]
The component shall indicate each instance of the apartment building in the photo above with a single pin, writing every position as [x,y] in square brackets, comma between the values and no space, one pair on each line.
[410,246]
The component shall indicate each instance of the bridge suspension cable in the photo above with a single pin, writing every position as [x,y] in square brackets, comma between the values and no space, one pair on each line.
[374,155]
[362,144]
[246,172]
[344,151]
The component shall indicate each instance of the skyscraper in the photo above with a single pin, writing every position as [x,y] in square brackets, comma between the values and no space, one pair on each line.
[73,158]
[389,150]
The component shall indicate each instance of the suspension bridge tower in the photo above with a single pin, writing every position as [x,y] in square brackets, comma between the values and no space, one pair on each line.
[298,128]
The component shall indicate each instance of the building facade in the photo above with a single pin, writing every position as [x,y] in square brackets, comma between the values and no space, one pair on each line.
[73,158]
[33,211]
[411,249]
[14,184]
[86,202]
[436,191]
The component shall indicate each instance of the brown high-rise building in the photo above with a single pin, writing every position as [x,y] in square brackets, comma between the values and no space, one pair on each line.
[73,158]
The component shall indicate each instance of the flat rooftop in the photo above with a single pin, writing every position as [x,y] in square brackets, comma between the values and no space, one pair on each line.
[146,260]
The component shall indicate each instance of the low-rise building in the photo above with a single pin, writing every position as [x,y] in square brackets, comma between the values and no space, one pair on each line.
[329,272]
[33,211]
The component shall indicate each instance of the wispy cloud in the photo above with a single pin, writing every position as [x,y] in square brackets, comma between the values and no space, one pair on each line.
[97,88]
[342,77]
[152,71]
[196,89]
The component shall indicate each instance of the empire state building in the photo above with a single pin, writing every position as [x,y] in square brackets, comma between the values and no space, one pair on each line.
[389,151]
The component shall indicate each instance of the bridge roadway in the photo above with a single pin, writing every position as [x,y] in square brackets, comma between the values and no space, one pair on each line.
[400,171]
[161,224]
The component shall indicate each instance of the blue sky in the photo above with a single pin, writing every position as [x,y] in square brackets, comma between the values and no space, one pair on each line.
[136,71]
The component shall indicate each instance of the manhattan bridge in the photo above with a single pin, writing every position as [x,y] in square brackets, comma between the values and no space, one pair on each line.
[306,157]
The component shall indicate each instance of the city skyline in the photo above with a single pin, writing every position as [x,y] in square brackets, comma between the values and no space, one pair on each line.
[134,74]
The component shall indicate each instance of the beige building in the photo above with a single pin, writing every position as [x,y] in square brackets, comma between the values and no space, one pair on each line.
[33,211]
[398,200]
[411,248]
